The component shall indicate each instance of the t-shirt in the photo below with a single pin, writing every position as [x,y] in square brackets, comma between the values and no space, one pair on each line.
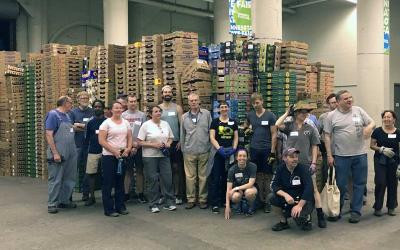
[80,116]
[54,119]
[224,131]
[387,140]
[92,135]
[239,177]
[297,184]
[347,131]
[171,116]
[301,139]
[151,132]
[135,119]
[117,134]
[261,127]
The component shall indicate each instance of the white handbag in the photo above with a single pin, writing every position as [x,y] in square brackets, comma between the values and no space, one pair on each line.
[330,196]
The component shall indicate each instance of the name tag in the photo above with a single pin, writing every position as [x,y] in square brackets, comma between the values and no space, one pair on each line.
[231,123]
[85,119]
[392,136]
[194,120]
[171,113]
[356,119]
[138,123]
[264,123]
[239,175]
[97,132]
[71,130]
[294,133]
[296,182]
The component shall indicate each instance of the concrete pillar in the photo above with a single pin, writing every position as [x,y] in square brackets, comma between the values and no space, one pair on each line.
[115,13]
[22,33]
[221,21]
[373,63]
[267,20]
[36,20]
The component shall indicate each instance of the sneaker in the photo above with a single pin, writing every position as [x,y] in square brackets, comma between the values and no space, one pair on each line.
[280,226]
[52,209]
[90,202]
[354,218]
[378,213]
[238,209]
[190,205]
[203,205]
[161,201]
[67,206]
[178,201]
[142,199]
[170,207]
[321,222]
[112,214]
[391,212]
[123,212]
[250,212]
[215,210]
[307,226]
[267,208]
[154,209]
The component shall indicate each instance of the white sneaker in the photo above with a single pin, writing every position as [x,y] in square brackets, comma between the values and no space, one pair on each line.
[154,209]
[170,208]
[161,201]
[178,201]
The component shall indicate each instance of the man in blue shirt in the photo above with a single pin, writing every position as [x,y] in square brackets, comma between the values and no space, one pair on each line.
[292,192]
[61,156]
[94,148]
[80,117]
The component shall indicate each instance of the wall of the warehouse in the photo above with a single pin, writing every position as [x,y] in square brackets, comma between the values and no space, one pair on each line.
[395,42]
[143,20]
[330,28]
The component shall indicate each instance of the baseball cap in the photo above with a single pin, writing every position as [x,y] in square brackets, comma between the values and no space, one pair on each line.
[166,87]
[290,151]
[306,105]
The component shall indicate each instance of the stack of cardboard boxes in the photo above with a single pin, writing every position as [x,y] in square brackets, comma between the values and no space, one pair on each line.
[116,55]
[97,86]
[133,74]
[311,80]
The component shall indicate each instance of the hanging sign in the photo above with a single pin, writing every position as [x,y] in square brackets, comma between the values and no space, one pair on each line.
[240,17]
[386,27]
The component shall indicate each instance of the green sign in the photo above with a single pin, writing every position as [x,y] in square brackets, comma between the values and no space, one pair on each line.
[240,17]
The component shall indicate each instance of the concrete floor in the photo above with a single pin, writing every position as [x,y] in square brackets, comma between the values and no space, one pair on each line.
[25,224]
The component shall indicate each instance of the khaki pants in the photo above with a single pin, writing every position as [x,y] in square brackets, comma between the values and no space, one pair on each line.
[196,167]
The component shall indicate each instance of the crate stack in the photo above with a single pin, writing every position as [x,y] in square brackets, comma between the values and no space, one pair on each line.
[132,69]
[294,57]
[80,50]
[16,94]
[6,125]
[30,120]
[214,54]
[311,80]
[74,66]
[120,79]
[196,78]
[278,90]
[150,60]
[116,55]
[266,58]
[179,49]
[97,78]
[203,53]
[326,78]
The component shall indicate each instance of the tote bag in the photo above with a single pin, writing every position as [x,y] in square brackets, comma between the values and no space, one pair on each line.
[330,196]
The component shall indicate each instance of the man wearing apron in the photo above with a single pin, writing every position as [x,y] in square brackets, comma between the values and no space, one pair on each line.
[61,156]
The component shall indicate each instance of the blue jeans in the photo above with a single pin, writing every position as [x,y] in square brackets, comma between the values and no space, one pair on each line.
[357,168]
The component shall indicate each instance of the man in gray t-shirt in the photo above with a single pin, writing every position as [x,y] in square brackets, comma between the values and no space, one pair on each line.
[135,118]
[349,126]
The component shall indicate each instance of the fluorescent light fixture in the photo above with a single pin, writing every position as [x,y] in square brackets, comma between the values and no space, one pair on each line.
[352,1]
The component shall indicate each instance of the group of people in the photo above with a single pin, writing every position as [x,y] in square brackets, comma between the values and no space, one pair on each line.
[173,157]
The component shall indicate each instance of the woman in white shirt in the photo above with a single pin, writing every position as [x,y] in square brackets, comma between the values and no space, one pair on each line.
[155,136]
[115,136]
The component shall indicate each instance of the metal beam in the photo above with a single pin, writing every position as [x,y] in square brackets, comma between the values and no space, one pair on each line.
[305,4]
[176,8]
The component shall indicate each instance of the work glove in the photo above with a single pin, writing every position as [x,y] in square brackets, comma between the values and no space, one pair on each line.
[271,159]
[221,152]
[230,152]
[313,168]
[248,132]
[388,152]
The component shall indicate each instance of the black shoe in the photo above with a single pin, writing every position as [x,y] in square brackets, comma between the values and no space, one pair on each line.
[307,226]
[90,202]
[123,212]
[267,208]
[378,213]
[52,209]
[334,219]
[67,206]
[142,199]
[321,222]
[85,197]
[354,218]
[280,226]
[215,210]
[112,214]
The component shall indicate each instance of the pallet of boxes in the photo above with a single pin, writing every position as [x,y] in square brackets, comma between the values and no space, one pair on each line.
[132,70]
[179,50]
[196,78]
